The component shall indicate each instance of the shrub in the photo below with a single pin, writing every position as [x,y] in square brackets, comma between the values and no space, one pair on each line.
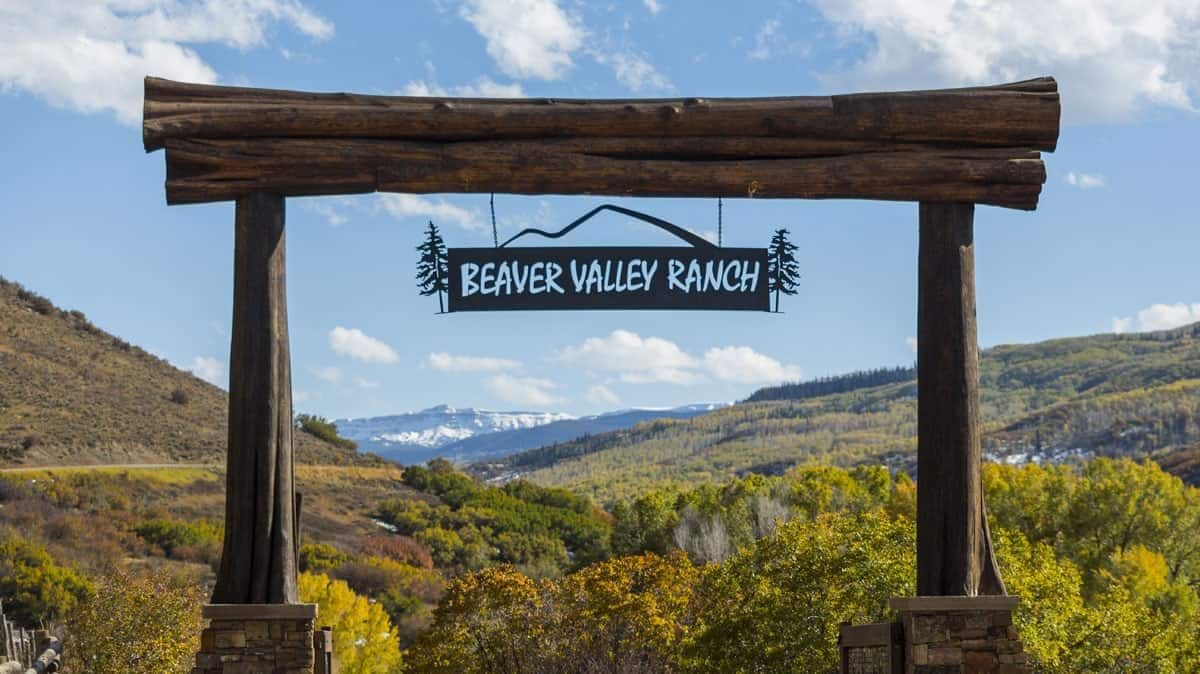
[321,557]
[136,624]
[35,589]
[399,548]
[179,397]
[322,428]
[201,538]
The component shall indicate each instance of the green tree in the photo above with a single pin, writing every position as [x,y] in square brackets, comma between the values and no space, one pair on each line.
[778,603]
[783,272]
[433,272]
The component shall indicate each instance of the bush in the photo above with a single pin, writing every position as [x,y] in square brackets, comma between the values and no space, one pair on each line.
[180,397]
[322,428]
[198,541]
[321,557]
[34,588]
[136,624]
[398,548]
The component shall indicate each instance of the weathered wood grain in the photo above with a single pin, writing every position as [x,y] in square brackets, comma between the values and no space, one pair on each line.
[977,144]
[258,558]
[201,170]
[1022,114]
[954,548]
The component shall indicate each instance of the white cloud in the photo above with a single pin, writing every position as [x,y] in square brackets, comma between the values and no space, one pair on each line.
[912,343]
[639,360]
[654,6]
[332,209]
[523,390]
[484,87]
[526,38]
[653,360]
[403,206]
[633,71]
[91,56]
[602,395]
[446,362]
[1112,57]
[210,370]
[1084,181]
[353,343]
[765,40]
[1158,317]
[744,365]
[366,383]
[329,375]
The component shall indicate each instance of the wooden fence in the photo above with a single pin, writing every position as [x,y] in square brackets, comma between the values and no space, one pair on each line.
[24,651]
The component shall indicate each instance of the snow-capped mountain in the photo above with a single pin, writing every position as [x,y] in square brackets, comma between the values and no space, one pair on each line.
[470,434]
[416,436]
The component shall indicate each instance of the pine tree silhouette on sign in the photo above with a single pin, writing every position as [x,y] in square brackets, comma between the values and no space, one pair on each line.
[783,271]
[432,268]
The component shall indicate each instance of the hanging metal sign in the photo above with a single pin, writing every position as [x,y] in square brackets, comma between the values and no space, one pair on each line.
[700,276]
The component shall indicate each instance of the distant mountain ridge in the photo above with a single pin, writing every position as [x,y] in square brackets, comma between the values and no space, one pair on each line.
[468,434]
[1132,395]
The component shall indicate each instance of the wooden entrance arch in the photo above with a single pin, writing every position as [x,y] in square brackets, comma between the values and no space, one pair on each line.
[947,149]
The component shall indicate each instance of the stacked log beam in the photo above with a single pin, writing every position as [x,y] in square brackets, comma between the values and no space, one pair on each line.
[977,145]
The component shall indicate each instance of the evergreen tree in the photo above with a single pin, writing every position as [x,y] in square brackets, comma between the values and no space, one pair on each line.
[783,271]
[432,269]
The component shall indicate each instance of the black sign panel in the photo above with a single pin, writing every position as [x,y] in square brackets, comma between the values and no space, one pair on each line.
[501,279]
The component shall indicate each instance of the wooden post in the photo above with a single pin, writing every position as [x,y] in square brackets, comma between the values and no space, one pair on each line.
[954,548]
[258,559]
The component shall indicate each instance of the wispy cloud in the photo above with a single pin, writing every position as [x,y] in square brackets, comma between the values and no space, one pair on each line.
[209,369]
[653,5]
[447,362]
[529,391]
[403,206]
[600,394]
[483,87]
[329,375]
[1084,181]
[353,343]
[766,40]
[1158,317]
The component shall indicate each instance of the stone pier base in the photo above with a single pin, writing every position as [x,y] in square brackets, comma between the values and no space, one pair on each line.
[257,639]
[967,635]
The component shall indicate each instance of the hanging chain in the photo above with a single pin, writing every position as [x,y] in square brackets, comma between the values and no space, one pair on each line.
[720,223]
[495,235]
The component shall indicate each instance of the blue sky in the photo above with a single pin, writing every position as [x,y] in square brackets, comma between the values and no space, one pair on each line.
[84,221]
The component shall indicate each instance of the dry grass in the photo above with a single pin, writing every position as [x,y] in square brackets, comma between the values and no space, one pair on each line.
[72,394]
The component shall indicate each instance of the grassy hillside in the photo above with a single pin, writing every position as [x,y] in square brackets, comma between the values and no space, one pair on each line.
[1112,395]
[71,394]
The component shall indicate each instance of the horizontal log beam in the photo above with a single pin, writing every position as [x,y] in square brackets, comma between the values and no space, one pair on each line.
[1023,114]
[978,144]
[214,170]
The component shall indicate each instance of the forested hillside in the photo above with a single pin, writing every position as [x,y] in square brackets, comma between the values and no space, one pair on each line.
[1108,395]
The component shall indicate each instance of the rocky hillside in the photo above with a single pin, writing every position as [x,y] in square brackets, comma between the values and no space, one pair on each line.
[72,394]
